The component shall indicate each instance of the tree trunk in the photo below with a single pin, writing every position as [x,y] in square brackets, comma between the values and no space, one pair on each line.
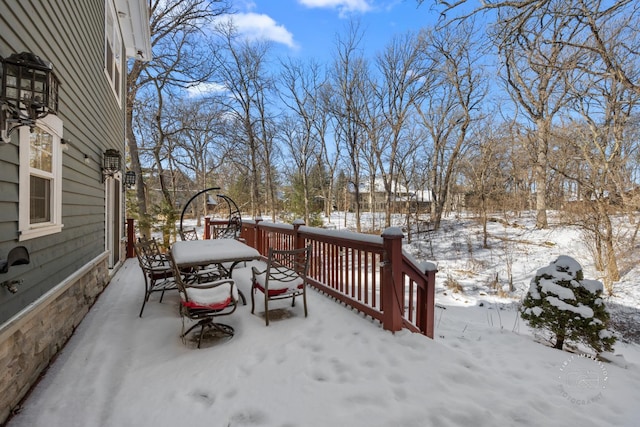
[541,176]
[144,222]
[559,341]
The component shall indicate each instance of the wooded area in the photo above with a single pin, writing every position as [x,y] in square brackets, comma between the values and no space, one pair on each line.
[514,106]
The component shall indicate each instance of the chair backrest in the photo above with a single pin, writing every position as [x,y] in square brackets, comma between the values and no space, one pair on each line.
[234,220]
[232,230]
[149,253]
[177,275]
[288,265]
[189,234]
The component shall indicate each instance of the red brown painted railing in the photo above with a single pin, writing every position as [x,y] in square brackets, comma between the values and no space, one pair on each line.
[368,273]
[131,237]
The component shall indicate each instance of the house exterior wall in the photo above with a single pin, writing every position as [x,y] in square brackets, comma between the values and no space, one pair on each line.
[67,269]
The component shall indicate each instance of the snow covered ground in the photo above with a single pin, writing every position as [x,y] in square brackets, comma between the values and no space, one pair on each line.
[339,368]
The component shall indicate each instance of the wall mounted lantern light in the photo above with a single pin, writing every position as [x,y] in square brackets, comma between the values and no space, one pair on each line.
[111,163]
[29,92]
[129,179]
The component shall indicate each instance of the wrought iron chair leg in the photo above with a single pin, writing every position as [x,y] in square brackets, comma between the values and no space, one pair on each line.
[223,328]
[244,300]
[192,328]
[253,292]
[201,334]
[304,302]
[144,301]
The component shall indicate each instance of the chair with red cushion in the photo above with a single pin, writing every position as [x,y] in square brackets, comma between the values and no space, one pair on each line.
[204,302]
[285,277]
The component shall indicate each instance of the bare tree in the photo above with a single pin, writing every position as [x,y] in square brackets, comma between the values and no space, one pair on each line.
[302,83]
[177,59]
[536,73]
[200,148]
[375,136]
[242,71]
[349,77]
[405,77]
[604,142]
[328,155]
[593,19]
[450,106]
[410,167]
[487,172]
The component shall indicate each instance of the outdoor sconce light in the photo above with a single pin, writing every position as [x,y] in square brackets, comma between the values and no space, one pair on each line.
[111,163]
[129,179]
[29,92]
[16,256]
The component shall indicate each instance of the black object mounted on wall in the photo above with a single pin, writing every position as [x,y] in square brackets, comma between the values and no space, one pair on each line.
[28,91]
[17,256]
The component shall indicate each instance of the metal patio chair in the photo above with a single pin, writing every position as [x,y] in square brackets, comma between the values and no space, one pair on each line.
[158,274]
[285,277]
[189,234]
[204,302]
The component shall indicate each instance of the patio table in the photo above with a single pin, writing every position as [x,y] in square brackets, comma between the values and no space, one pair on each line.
[226,253]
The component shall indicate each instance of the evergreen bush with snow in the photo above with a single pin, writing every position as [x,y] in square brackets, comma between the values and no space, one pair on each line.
[563,302]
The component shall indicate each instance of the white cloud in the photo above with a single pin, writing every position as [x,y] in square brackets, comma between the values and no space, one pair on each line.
[205,88]
[343,6]
[257,26]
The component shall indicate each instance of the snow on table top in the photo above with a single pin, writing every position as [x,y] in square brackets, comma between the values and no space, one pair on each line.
[197,252]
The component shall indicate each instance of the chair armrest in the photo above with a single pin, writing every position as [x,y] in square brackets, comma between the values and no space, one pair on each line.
[160,261]
[209,285]
[257,272]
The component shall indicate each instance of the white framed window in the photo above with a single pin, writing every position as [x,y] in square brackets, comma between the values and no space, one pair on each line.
[40,204]
[113,50]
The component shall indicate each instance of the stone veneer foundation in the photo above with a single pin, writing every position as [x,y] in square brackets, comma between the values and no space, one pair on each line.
[31,339]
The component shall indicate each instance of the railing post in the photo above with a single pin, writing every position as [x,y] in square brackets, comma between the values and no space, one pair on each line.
[245,236]
[258,237]
[131,238]
[298,241]
[392,286]
[207,228]
[430,303]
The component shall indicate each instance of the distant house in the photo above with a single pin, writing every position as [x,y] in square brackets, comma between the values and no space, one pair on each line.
[375,199]
[61,170]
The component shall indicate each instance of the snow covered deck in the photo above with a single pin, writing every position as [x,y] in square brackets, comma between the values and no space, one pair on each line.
[336,367]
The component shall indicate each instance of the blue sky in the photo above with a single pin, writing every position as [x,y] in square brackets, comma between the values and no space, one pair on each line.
[308,28]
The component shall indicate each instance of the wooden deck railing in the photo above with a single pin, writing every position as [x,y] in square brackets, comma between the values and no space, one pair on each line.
[369,273]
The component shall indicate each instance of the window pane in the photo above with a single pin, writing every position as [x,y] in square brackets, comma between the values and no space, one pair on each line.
[116,82]
[41,150]
[109,65]
[40,200]
[25,83]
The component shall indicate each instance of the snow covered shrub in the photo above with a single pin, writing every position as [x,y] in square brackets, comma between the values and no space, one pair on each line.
[563,302]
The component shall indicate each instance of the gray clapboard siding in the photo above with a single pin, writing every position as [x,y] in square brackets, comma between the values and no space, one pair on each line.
[70,34]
